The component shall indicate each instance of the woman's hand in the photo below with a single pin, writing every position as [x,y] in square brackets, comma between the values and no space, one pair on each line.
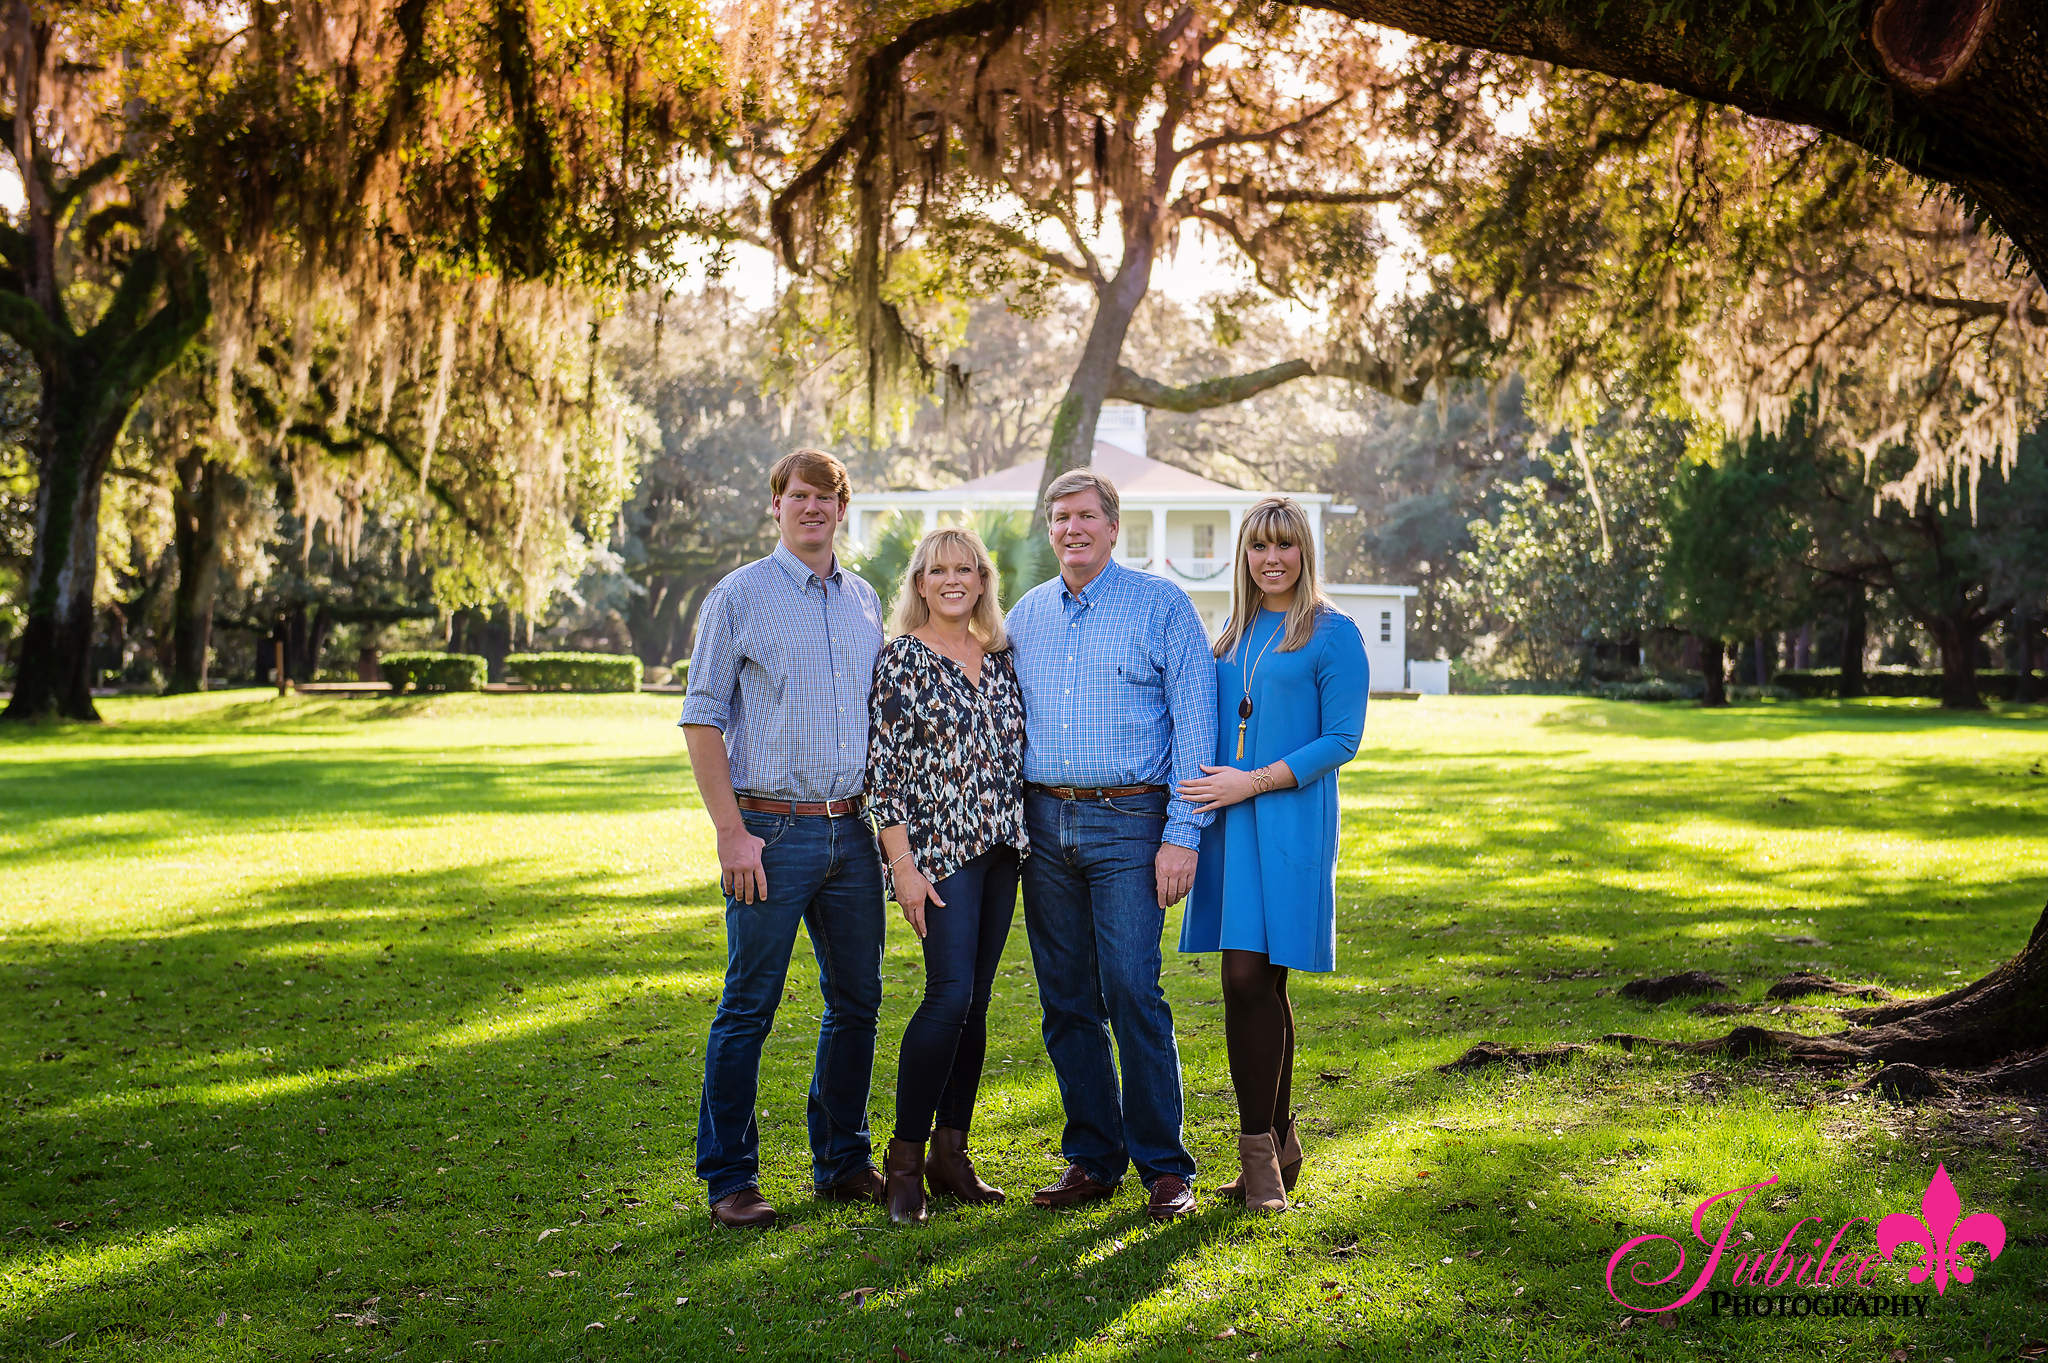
[1218,788]
[913,892]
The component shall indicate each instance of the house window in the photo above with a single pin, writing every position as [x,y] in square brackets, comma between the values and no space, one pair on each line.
[1386,627]
[1138,539]
[1205,540]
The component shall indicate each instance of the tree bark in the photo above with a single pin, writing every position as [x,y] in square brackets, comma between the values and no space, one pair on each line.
[1855,642]
[1996,1027]
[2023,655]
[195,519]
[1957,641]
[76,427]
[1713,667]
[1963,83]
[1072,445]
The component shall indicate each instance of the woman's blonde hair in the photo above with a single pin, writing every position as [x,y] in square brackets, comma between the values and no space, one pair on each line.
[986,624]
[1281,519]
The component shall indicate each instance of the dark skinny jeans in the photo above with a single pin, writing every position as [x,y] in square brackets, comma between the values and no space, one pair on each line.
[939,1069]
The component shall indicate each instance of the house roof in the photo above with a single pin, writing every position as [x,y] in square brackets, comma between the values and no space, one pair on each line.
[1132,474]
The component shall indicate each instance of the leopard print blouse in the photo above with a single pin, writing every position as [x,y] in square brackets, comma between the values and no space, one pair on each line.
[945,756]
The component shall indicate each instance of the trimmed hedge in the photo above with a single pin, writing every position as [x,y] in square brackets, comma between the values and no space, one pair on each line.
[1826,683]
[576,671]
[434,671]
[1655,690]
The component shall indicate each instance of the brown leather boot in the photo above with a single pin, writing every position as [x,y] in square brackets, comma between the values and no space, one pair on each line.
[904,1170]
[949,1173]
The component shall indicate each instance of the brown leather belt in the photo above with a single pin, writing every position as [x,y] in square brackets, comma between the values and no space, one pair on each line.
[1097,792]
[853,804]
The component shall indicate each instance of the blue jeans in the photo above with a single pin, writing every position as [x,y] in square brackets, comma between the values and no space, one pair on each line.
[939,1069]
[1091,908]
[824,873]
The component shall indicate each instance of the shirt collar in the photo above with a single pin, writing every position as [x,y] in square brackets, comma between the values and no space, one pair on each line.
[798,572]
[1091,593]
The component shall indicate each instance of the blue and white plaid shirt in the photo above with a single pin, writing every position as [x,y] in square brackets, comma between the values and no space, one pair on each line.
[782,667]
[1119,688]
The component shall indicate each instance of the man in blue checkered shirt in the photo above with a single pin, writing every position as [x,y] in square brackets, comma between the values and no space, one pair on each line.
[777,724]
[1120,707]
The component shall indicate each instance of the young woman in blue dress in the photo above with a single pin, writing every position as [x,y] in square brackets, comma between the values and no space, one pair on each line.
[1291,685]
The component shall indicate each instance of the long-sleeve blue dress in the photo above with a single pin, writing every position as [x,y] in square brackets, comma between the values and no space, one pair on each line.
[1266,879]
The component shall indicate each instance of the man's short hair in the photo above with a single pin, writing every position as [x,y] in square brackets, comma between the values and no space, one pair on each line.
[1083,480]
[816,467]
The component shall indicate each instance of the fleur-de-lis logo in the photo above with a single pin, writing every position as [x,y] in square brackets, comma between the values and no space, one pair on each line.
[1939,1235]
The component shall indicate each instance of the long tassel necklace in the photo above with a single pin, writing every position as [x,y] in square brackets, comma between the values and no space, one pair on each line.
[1244,707]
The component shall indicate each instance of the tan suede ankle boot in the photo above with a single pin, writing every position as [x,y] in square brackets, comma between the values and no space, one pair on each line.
[1259,1158]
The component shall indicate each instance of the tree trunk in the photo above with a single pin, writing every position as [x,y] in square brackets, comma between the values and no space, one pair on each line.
[1957,641]
[1713,667]
[1072,445]
[1962,85]
[195,520]
[76,428]
[1997,1027]
[2023,654]
[1855,641]
[1766,658]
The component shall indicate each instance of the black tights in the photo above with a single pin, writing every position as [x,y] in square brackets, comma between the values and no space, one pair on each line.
[1258,1030]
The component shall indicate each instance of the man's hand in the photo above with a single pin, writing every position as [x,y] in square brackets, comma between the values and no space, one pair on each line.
[739,865]
[1176,869]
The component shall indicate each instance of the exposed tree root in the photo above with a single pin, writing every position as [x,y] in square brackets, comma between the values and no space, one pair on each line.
[1490,1053]
[1805,983]
[1664,987]
[1993,1031]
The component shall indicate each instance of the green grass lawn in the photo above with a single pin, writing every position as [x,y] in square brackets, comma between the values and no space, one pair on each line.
[368,1030]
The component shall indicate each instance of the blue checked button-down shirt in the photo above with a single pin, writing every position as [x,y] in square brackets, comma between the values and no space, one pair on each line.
[782,667]
[1119,688]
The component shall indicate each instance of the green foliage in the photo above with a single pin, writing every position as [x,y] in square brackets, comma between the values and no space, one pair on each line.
[884,562]
[1824,683]
[1023,560]
[1657,690]
[434,671]
[1735,567]
[1575,560]
[576,671]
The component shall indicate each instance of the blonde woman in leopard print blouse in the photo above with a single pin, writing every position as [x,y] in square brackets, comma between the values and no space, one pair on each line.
[946,782]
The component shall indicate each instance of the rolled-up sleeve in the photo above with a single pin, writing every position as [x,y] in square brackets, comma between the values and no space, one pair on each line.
[1190,671]
[714,663]
[1343,680]
[890,737]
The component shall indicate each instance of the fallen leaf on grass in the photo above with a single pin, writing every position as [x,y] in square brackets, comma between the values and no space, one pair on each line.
[1227,1332]
[220,1320]
[594,1325]
[552,1230]
[563,1273]
[897,1349]
[859,1294]
[64,1340]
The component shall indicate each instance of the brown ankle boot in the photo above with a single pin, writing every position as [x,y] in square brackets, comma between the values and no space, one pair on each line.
[1260,1162]
[949,1173]
[1290,1153]
[904,1171]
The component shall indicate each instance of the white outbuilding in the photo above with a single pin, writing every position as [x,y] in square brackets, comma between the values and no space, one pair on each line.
[1175,524]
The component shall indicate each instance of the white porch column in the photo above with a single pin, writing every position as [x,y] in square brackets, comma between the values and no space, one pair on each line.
[1159,540]
[931,519]
[1230,549]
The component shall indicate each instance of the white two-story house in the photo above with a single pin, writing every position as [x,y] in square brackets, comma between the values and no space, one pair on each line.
[1175,524]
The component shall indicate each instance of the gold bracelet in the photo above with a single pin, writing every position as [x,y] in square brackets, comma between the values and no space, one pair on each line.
[1262,781]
